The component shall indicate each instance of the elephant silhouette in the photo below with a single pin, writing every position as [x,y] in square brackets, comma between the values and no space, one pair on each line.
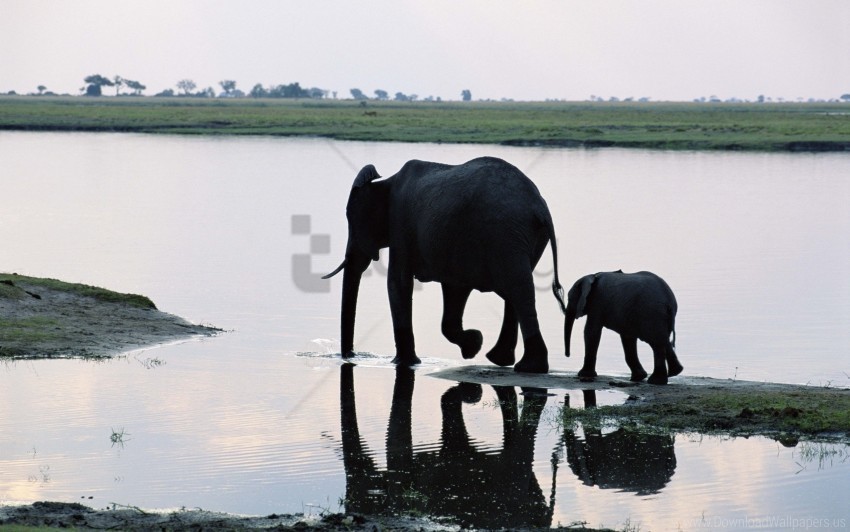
[474,487]
[625,459]
[479,488]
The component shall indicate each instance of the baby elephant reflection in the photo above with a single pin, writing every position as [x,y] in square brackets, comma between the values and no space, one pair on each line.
[624,459]
[479,489]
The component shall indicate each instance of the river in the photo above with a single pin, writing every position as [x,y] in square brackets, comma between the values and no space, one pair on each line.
[235,232]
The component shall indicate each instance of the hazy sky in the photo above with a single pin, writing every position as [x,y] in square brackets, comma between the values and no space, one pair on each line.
[663,49]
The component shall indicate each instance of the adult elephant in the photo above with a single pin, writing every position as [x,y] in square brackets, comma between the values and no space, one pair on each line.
[638,306]
[480,225]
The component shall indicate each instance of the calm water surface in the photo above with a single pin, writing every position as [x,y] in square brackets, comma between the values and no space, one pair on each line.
[235,232]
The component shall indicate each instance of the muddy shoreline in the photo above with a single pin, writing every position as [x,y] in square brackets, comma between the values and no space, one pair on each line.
[788,413]
[45,318]
[80,517]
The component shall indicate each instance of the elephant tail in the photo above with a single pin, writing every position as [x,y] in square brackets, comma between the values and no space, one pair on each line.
[557,289]
[672,328]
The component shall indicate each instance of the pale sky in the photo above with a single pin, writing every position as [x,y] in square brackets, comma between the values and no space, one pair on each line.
[560,49]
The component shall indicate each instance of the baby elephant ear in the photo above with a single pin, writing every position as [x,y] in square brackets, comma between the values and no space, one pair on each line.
[366,175]
[586,285]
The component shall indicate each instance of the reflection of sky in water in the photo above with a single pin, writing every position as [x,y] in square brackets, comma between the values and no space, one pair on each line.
[262,443]
[239,423]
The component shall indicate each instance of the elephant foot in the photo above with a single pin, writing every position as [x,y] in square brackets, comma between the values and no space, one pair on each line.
[410,360]
[470,343]
[535,358]
[586,375]
[530,365]
[674,369]
[501,356]
[638,376]
[656,378]
[470,393]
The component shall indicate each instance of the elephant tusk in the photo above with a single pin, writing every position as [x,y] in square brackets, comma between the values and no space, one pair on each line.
[336,271]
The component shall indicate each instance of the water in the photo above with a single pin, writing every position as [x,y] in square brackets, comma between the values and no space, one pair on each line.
[755,246]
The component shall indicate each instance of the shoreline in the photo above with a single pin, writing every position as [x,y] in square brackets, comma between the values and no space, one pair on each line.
[45,318]
[755,127]
[787,413]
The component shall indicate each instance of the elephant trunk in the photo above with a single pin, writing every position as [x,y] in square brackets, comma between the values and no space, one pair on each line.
[569,319]
[354,267]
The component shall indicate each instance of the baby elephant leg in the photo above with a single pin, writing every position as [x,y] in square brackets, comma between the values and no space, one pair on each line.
[592,336]
[659,372]
[630,349]
[674,367]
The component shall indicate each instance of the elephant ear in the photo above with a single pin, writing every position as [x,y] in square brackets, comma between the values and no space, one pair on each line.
[366,175]
[585,287]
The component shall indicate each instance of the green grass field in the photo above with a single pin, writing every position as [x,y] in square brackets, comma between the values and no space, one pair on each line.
[683,126]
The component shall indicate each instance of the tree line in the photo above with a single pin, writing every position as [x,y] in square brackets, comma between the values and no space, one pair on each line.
[97,85]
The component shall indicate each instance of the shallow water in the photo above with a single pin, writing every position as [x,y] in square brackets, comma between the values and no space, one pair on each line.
[755,247]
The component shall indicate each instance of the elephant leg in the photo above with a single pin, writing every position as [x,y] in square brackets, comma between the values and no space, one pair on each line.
[630,348]
[521,297]
[659,373]
[400,289]
[674,367]
[592,335]
[510,413]
[400,475]
[503,353]
[454,301]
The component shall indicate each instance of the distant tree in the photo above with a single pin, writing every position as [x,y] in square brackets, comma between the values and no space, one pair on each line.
[381,94]
[167,93]
[401,97]
[466,94]
[209,92]
[258,92]
[229,86]
[94,84]
[41,89]
[293,90]
[187,86]
[118,81]
[845,97]
[357,94]
[135,86]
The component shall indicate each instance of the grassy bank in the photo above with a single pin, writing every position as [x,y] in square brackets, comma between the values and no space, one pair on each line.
[46,318]
[785,413]
[9,288]
[693,126]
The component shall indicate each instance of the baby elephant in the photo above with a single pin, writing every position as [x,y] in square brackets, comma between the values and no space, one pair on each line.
[635,305]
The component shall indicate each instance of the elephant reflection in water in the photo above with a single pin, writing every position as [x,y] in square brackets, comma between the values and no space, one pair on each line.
[624,459]
[477,488]
[485,489]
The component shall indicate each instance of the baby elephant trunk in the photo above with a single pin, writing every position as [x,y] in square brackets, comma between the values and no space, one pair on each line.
[569,319]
